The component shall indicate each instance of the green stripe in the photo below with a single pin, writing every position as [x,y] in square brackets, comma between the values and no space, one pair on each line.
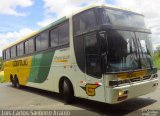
[40,67]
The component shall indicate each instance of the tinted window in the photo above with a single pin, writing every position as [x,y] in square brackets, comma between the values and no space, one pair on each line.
[13,52]
[8,54]
[54,37]
[44,40]
[31,45]
[122,51]
[91,44]
[84,21]
[122,18]
[92,57]
[60,35]
[26,47]
[64,33]
[38,43]
[20,49]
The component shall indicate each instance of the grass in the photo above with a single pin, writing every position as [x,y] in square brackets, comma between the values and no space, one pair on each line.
[2,77]
[156,59]
[157,63]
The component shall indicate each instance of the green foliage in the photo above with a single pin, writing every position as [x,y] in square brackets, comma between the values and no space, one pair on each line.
[158,51]
[1,63]
[156,59]
[1,72]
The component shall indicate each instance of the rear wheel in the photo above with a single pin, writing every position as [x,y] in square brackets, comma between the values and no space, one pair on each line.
[68,93]
[13,83]
[12,80]
[17,85]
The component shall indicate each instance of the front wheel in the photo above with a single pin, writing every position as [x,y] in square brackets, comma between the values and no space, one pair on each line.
[68,94]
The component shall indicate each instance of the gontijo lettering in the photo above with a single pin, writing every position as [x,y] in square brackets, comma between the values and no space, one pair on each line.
[20,62]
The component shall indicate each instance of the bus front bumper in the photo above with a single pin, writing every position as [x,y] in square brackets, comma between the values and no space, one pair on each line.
[122,93]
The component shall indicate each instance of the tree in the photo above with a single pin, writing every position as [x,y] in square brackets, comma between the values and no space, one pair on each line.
[158,50]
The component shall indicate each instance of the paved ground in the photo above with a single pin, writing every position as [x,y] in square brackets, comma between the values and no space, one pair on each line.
[30,99]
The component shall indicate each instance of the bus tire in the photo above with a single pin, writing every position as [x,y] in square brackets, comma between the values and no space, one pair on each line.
[17,85]
[12,80]
[68,93]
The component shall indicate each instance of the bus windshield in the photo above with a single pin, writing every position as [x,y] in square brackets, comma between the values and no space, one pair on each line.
[122,18]
[127,51]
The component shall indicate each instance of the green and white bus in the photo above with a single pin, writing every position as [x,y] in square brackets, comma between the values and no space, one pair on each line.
[100,53]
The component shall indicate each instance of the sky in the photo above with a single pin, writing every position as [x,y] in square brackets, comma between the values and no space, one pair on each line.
[19,18]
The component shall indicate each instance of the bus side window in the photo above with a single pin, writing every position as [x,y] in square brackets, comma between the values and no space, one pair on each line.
[31,45]
[60,35]
[20,49]
[8,54]
[54,37]
[38,43]
[13,52]
[63,34]
[26,47]
[44,40]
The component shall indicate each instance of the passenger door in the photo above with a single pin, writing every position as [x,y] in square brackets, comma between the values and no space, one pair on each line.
[94,81]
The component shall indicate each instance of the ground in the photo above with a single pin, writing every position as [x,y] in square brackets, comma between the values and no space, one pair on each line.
[35,99]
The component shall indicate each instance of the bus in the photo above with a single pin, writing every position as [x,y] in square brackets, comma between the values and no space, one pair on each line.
[100,53]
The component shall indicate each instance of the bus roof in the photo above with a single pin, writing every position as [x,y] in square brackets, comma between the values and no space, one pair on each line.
[64,18]
[105,6]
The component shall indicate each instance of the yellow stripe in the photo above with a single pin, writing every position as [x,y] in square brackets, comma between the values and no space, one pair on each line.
[60,60]
[132,75]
